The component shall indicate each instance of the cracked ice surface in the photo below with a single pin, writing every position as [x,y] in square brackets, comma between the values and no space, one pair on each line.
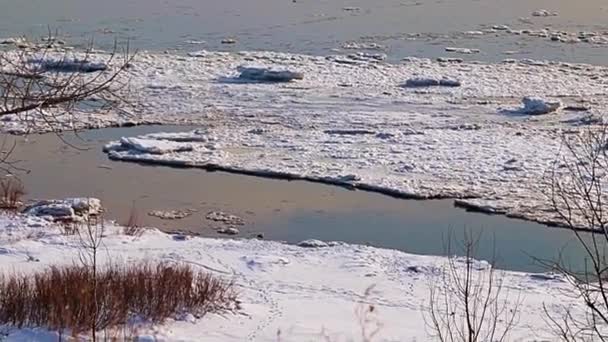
[349,121]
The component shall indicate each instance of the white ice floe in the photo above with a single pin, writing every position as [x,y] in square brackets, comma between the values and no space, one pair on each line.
[69,209]
[257,74]
[66,64]
[154,146]
[461,143]
[543,13]
[362,46]
[539,106]
[462,139]
[226,218]
[431,82]
[302,294]
[464,51]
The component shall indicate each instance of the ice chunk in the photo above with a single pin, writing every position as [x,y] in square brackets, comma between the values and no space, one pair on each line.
[170,214]
[154,146]
[543,13]
[539,106]
[85,205]
[58,211]
[226,218]
[465,51]
[228,231]
[69,209]
[312,243]
[258,74]
[419,82]
[67,65]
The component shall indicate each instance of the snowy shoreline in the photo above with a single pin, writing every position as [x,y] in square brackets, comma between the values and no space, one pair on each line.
[282,288]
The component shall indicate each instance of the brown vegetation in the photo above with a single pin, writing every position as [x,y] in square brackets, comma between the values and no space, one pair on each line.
[11,192]
[73,298]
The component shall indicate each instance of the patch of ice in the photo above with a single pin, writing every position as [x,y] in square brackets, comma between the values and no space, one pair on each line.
[420,82]
[259,74]
[153,146]
[228,231]
[362,46]
[69,209]
[312,243]
[543,13]
[465,51]
[226,218]
[170,214]
[67,64]
[539,106]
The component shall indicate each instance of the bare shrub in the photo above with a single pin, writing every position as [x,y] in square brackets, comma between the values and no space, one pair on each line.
[11,193]
[577,193]
[468,303]
[46,87]
[73,298]
[133,225]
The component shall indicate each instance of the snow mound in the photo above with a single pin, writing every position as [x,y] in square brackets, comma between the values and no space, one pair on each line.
[539,106]
[421,82]
[67,65]
[260,74]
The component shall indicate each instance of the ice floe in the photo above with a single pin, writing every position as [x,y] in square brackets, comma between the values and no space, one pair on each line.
[431,82]
[539,106]
[256,74]
[543,13]
[66,64]
[69,209]
[465,51]
[422,142]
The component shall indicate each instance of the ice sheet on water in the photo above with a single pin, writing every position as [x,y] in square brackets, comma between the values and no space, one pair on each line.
[422,82]
[153,146]
[262,74]
[67,64]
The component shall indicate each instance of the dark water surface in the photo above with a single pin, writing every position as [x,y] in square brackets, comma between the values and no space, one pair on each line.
[282,210]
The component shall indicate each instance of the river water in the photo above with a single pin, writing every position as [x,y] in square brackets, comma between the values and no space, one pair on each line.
[419,28]
[293,211]
[280,210]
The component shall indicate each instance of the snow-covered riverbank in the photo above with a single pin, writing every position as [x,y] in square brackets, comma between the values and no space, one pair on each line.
[288,293]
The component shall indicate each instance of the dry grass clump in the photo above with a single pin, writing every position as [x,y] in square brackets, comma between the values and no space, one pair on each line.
[77,298]
[133,225]
[11,192]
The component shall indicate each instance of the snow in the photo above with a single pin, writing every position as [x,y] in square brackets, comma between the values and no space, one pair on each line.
[302,294]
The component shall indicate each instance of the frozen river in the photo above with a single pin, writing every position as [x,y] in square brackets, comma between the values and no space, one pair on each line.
[574,31]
